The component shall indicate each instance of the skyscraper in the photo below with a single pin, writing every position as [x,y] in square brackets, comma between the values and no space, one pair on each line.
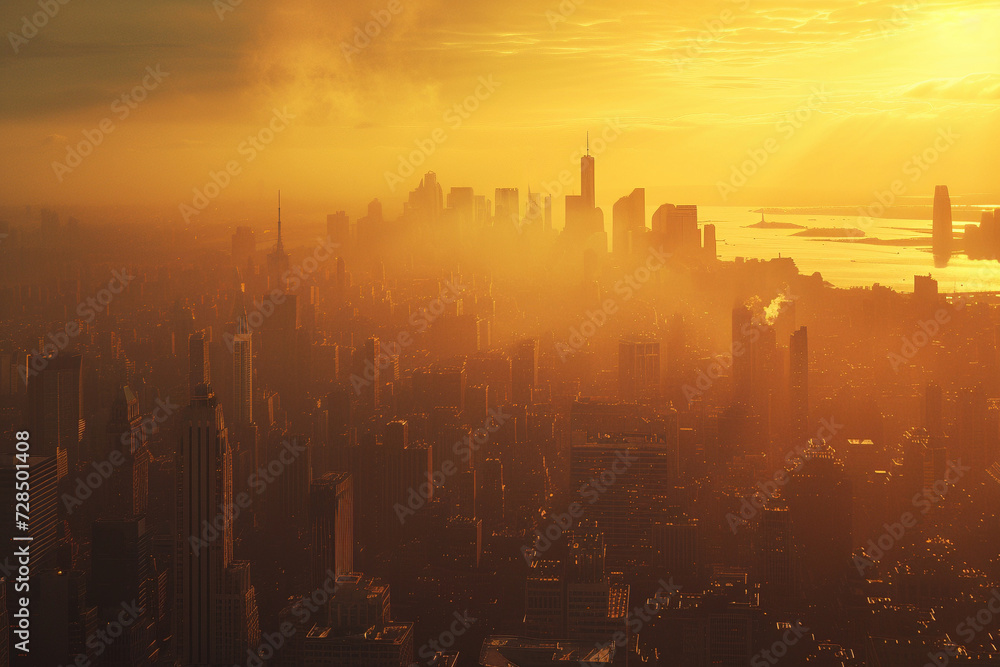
[533,211]
[587,179]
[676,228]
[933,403]
[129,483]
[331,526]
[277,259]
[338,228]
[54,408]
[638,370]
[507,208]
[242,365]
[199,365]
[369,366]
[584,221]
[121,550]
[214,618]
[244,244]
[820,506]
[204,484]
[628,222]
[798,383]
[742,354]
[427,199]
[942,232]
[462,201]
[709,246]
[627,510]
[524,371]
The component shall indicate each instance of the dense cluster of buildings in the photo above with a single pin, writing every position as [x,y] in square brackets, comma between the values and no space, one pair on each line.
[461,437]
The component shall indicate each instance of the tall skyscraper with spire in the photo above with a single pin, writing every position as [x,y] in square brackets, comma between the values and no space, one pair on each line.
[942,231]
[277,259]
[587,177]
[584,221]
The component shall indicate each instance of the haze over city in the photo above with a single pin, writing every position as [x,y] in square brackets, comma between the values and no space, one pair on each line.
[438,334]
[695,86]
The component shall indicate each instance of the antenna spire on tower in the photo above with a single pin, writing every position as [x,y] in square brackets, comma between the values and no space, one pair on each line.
[279,218]
[588,143]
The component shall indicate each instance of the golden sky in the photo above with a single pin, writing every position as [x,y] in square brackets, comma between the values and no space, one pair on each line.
[693,88]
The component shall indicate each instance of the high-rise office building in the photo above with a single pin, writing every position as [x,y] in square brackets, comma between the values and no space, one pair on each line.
[492,369]
[942,230]
[244,245]
[544,598]
[798,383]
[675,545]
[123,571]
[369,369]
[204,485]
[338,229]
[925,290]
[58,595]
[54,407]
[710,245]
[397,434]
[506,208]
[970,429]
[462,202]
[627,510]
[820,505]
[675,228]
[492,493]
[933,405]
[370,227]
[129,483]
[215,606]
[426,201]
[776,547]
[628,222]
[575,598]
[742,354]
[524,371]
[638,370]
[331,526]
[199,365]
[242,365]
[440,386]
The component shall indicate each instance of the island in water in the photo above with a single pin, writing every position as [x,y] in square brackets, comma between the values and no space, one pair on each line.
[832,232]
[764,224]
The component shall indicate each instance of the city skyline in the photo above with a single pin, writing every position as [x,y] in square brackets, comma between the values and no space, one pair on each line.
[741,71]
